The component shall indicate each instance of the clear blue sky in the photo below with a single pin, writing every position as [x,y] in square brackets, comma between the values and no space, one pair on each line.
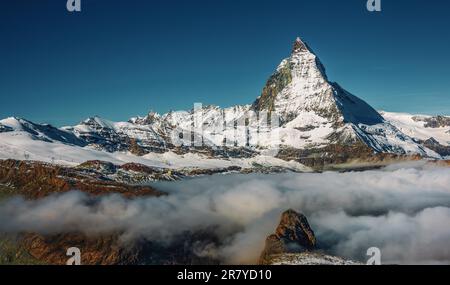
[121,58]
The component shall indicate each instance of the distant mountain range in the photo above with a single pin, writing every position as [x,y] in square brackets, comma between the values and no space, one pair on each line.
[319,123]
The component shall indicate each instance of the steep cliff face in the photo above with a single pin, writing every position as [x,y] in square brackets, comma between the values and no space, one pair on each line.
[299,85]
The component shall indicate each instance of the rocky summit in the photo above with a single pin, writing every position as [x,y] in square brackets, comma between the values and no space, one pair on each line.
[293,234]
[294,243]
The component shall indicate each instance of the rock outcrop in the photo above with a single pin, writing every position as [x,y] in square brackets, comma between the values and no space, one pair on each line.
[4,129]
[434,145]
[434,122]
[292,235]
[294,243]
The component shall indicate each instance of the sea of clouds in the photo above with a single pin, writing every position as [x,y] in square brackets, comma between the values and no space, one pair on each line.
[403,209]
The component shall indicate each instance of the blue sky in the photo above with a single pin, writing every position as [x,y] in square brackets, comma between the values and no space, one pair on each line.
[121,58]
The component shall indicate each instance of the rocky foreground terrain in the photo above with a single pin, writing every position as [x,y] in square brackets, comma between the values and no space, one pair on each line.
[36,180]
[110,250]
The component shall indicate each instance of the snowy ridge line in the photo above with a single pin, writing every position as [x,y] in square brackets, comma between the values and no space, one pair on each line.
[311,114]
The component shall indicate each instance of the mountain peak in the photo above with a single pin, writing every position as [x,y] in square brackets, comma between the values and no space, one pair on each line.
[299,46]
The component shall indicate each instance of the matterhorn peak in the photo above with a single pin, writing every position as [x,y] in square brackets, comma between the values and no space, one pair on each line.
[299,46]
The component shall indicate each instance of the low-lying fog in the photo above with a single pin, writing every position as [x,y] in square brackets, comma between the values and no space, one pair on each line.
[404,210]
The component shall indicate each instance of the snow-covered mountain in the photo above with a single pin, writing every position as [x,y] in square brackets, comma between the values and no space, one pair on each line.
[42,132]
[431,131]
[312,117]
[17,141]
[312,106]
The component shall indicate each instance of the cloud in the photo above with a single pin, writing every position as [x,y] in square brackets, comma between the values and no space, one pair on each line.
[404,210]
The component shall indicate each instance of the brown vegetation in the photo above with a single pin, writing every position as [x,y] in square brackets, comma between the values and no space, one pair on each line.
[36,180]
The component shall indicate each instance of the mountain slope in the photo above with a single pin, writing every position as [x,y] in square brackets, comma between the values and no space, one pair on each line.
[299,91]
[42,132]
[432,131]
[312,118]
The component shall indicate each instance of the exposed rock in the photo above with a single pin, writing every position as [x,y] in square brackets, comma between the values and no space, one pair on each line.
[294,243]
[151,118]
[98,132]
[4,129]
[136,149]
[98,165]
[275,84]
[293,235]
[136,167]
[341,155]
[306,128]
[133,173]
[299,46]
[199,172]
[434,122]
[294,228]
[433,144]
[130,173]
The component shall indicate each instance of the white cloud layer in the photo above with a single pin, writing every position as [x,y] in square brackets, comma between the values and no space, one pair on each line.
[404,210]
